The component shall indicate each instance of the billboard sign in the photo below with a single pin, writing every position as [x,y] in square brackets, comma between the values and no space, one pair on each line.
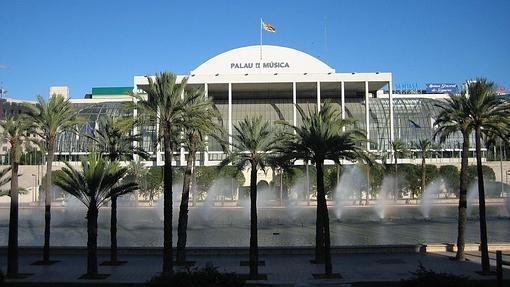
[441,88]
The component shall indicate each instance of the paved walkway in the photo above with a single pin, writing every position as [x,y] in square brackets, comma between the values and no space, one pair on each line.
[290,270]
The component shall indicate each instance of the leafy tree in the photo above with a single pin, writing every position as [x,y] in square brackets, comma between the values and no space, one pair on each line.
[96,183]
[164,104]
[252,143]
[14,131]
[51,118]
[321,137]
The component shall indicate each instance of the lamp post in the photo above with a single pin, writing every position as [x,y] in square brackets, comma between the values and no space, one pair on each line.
[34,191]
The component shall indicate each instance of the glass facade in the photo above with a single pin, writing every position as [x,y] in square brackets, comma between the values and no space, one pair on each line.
[413,116]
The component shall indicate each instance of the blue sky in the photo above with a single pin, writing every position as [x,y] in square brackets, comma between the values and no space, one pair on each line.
[85,44]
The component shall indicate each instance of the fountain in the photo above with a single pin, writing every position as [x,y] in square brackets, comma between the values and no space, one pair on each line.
[432,190]
[382,200]
[351,184]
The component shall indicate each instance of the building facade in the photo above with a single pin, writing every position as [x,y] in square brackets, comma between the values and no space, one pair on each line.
[270,81]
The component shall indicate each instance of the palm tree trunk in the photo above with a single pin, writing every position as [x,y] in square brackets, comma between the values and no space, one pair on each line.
[368,185]
[12,252]
[461,226]
[321,198]
[423,174]
[395,181]
[113,231]
[183,212]
[168,264]
[319,233]
[47,201]
[481,201]
[92,240]
[254,249]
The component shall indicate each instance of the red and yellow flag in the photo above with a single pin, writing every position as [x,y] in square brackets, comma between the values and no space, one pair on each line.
[268,27]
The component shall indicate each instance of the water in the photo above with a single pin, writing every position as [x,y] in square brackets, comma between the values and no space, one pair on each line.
[432,191]
[382,201]
[350,187]
[228,227]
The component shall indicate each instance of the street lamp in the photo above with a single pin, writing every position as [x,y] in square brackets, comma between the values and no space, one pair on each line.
[34,191]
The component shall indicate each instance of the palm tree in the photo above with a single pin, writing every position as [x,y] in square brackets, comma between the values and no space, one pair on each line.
[51,118]
[490,117]
[138,172]
[201,119]
[399,149]
[452,119]
[164,104]
[5,178]
[252,142]
[322,137]
[114,140]
[98,181]
[15,131]
[425,147]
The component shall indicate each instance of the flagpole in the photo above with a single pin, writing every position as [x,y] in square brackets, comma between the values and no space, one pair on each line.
[261,24]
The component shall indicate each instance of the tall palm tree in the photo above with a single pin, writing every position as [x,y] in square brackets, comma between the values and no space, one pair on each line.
[425,147]
[452,119]
[114,140]
[490,117]
[164,104]
[399,149]
[97,182]
[202,119]
[15,131]
[252,142]
[322,137]
[51,118]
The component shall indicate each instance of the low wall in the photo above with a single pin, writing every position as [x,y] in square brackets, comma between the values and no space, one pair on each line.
[216,251]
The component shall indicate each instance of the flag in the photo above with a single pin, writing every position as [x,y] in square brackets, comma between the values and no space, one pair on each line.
[268,27]
[414,125]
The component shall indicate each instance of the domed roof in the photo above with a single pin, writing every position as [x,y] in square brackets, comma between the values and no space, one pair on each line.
[275,59]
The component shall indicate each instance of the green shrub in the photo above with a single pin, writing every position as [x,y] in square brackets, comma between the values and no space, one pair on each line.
[450,175]
[208,276]
[488,173]
[426,277]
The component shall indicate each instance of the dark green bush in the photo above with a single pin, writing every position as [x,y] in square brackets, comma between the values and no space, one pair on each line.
[208,276]
[425,277]
[488,173]
[450,175]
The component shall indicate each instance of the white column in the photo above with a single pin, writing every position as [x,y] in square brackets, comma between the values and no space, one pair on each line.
[135,127]
[319,96]
[158,154]
[206,151]
[342,98]
[182,157]
[392,128]
[294,103]
[367,114]
[342,103]
[230,115]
